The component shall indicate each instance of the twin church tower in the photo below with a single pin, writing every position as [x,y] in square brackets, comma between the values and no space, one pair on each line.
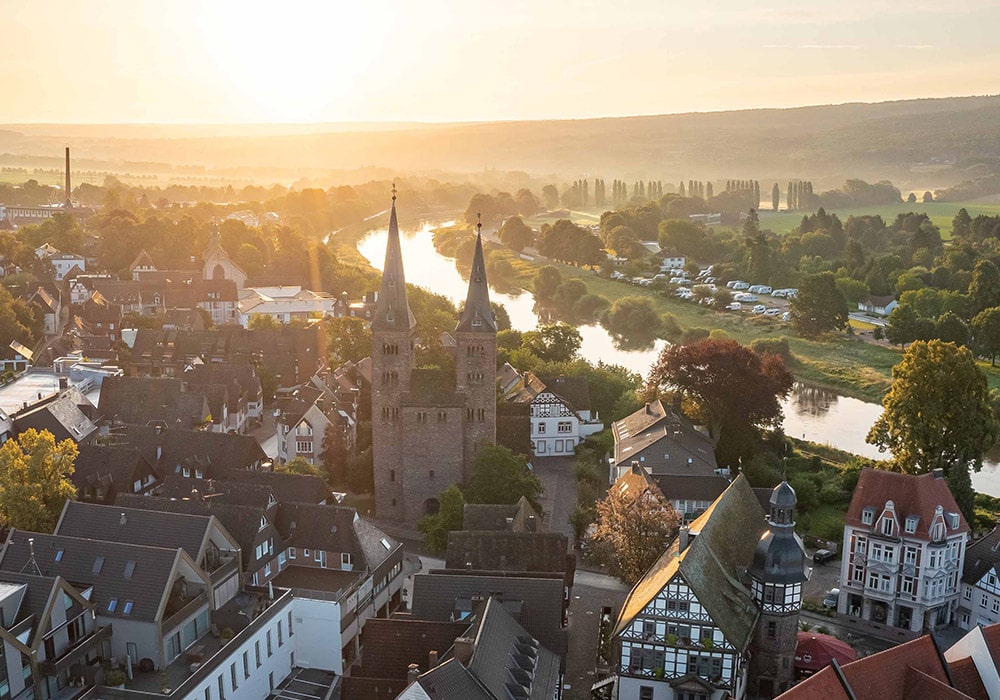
[427,423]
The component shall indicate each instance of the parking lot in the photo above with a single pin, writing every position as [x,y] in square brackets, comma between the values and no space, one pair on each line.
[745,299]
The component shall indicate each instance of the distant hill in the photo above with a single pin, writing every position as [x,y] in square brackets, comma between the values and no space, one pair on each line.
[931,142]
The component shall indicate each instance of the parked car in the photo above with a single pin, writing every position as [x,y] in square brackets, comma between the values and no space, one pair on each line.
[822,556]
[741,286]
[616,275]
[734,306]
[832,599]
[759,309]
[773,311]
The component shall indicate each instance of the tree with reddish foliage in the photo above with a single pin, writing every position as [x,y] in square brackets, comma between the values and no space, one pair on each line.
[727,386]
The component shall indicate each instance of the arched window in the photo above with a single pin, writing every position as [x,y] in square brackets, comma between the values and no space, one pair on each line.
[219,272]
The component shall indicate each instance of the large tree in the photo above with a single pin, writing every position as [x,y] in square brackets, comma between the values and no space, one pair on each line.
[634,527]
[731,388]
[500,476]
[984,289]
[515,234]
[819,306]
[35,480]
[553,342]
[349,339]
[986,333]
[449,517]
[937,416]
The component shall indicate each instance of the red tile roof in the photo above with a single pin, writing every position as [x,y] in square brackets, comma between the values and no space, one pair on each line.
[966,678]
[920,686]
[823,684]
[911,495]
[992,636]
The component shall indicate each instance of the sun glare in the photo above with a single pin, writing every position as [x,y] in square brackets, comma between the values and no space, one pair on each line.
[296,62]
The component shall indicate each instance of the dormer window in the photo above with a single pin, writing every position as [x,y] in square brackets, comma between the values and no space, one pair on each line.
[112,604]
[911,523]
[263,523]
[868,516]
[887,526]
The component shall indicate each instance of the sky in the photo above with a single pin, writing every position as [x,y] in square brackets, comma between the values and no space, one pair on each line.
[215,61]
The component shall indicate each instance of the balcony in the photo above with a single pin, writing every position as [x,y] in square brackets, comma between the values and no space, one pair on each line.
[72,653]
[185,611]
[224,570]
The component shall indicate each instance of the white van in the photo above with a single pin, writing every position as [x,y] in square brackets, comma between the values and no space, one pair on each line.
[740,286]
[759,289]
[734,306]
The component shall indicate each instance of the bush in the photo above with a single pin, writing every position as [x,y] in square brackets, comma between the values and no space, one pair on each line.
[589,306]
[669,327]
[805,491]
[829,493]
[694,335]
[115,677]
[774,346]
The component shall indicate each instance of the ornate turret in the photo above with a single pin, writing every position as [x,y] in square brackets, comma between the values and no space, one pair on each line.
[392,312]
[477,314]
[776,578]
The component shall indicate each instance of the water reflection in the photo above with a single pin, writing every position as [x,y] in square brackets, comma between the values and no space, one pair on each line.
[811,413]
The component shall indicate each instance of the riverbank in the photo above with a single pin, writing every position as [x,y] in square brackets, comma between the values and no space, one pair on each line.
[839,362]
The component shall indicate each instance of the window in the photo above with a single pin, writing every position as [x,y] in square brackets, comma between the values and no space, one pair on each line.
[270,648]
[868,516]
[256,649]
[430,474]
[911,523]
[392,475]
[222,688]
[910,556]
[232,676]
[564,426]
[968,594]
[645,692]
[303,446]
[859,574]
[291,552]
[127,610]
[208,692]
[246,664]
[98,565]
[59,555]
[345,560]
[290,631]
[906,586]
[887,527]
[280,637]
[305,553]
[772,630]
[129,568]
[541,428]
[113,603]
[982,601]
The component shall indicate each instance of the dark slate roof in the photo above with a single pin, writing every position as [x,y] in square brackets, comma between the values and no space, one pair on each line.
[143,526]
[477,314]
[334,529]
[536,601]
[501,645]
[509,516]
[63,415]
[242,522]
[497,550]
[214,453]
[392,311]
[147,587]
[663,432]
[287,488]
[239,379]
[37,591]
[573,390]
[453,680]
[146,400]
[726,536]
[685,487]
[392,645]
[224,491]
[981,556]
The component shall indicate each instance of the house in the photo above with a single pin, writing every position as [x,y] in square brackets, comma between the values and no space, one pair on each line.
[302,425]
[717,615]
[203,538]
[67,414]
[920,668]
[217,265]
[197,454]
[286,303]
[904,545]
[663,442]
[127,294]
[102,316]
[15,357]
[63,263]
[246,401]
[49,305]
[142,263]
[154,401]
[980,603]
[101,472]
[49,633]
[691,495]
[672,262]
[883,306]
[560,412]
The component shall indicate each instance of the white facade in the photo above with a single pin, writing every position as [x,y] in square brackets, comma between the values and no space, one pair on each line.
[64,262]
[319,639]
[673,263]
[891,576]
[284,304]
[980,602]
[673,637]
[973,645]
[556,429]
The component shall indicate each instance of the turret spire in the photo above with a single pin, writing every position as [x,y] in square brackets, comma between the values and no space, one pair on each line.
[392,312]
[477,314]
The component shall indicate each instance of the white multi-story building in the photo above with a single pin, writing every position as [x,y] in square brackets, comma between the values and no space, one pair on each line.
[560,412]
[980,603]
[904,548]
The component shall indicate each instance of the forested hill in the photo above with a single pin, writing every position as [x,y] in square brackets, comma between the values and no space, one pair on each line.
[933,141]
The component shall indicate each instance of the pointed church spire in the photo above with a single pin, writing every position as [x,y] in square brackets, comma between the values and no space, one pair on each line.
[477,314]
[392,312]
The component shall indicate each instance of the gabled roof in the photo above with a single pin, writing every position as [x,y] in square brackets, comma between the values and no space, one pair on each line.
[981,556]
[392,311]
[911,494]
[147,400]
[497,550]
[509,661]
[144,526]
[654,424]
[143,260]
[392,645]
[214,453]
[477,314]
[334,529]
[222,490]
[712,565]
[507,516]
[685,487]
[103,565]
[119,463]
[965,676]
[61,414]
[287,488]
[452,680]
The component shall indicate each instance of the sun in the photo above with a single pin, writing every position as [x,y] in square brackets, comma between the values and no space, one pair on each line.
[291,62]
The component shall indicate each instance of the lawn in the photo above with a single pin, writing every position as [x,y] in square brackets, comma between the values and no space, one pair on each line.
[941,214]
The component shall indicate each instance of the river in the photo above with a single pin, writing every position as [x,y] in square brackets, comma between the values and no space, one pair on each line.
[811,413]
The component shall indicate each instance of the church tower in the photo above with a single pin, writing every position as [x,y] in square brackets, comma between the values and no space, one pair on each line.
[393,329]
[476,360]
[776,578]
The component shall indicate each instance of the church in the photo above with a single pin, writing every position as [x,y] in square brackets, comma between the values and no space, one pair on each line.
[427,423]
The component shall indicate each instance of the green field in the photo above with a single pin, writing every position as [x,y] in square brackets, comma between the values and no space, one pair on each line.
[941,214]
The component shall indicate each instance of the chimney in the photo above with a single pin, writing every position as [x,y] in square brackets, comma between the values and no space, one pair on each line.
[69,196]
[463,649]
[649,410]
[63,383]
[432,659]
[412,671]
[532,523]
[124,519]
[683,537]
[938,473]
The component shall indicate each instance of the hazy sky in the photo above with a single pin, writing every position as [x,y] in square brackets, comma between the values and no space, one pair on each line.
[444,60]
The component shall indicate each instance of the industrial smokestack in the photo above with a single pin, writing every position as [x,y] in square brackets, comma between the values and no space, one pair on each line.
[69,191]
